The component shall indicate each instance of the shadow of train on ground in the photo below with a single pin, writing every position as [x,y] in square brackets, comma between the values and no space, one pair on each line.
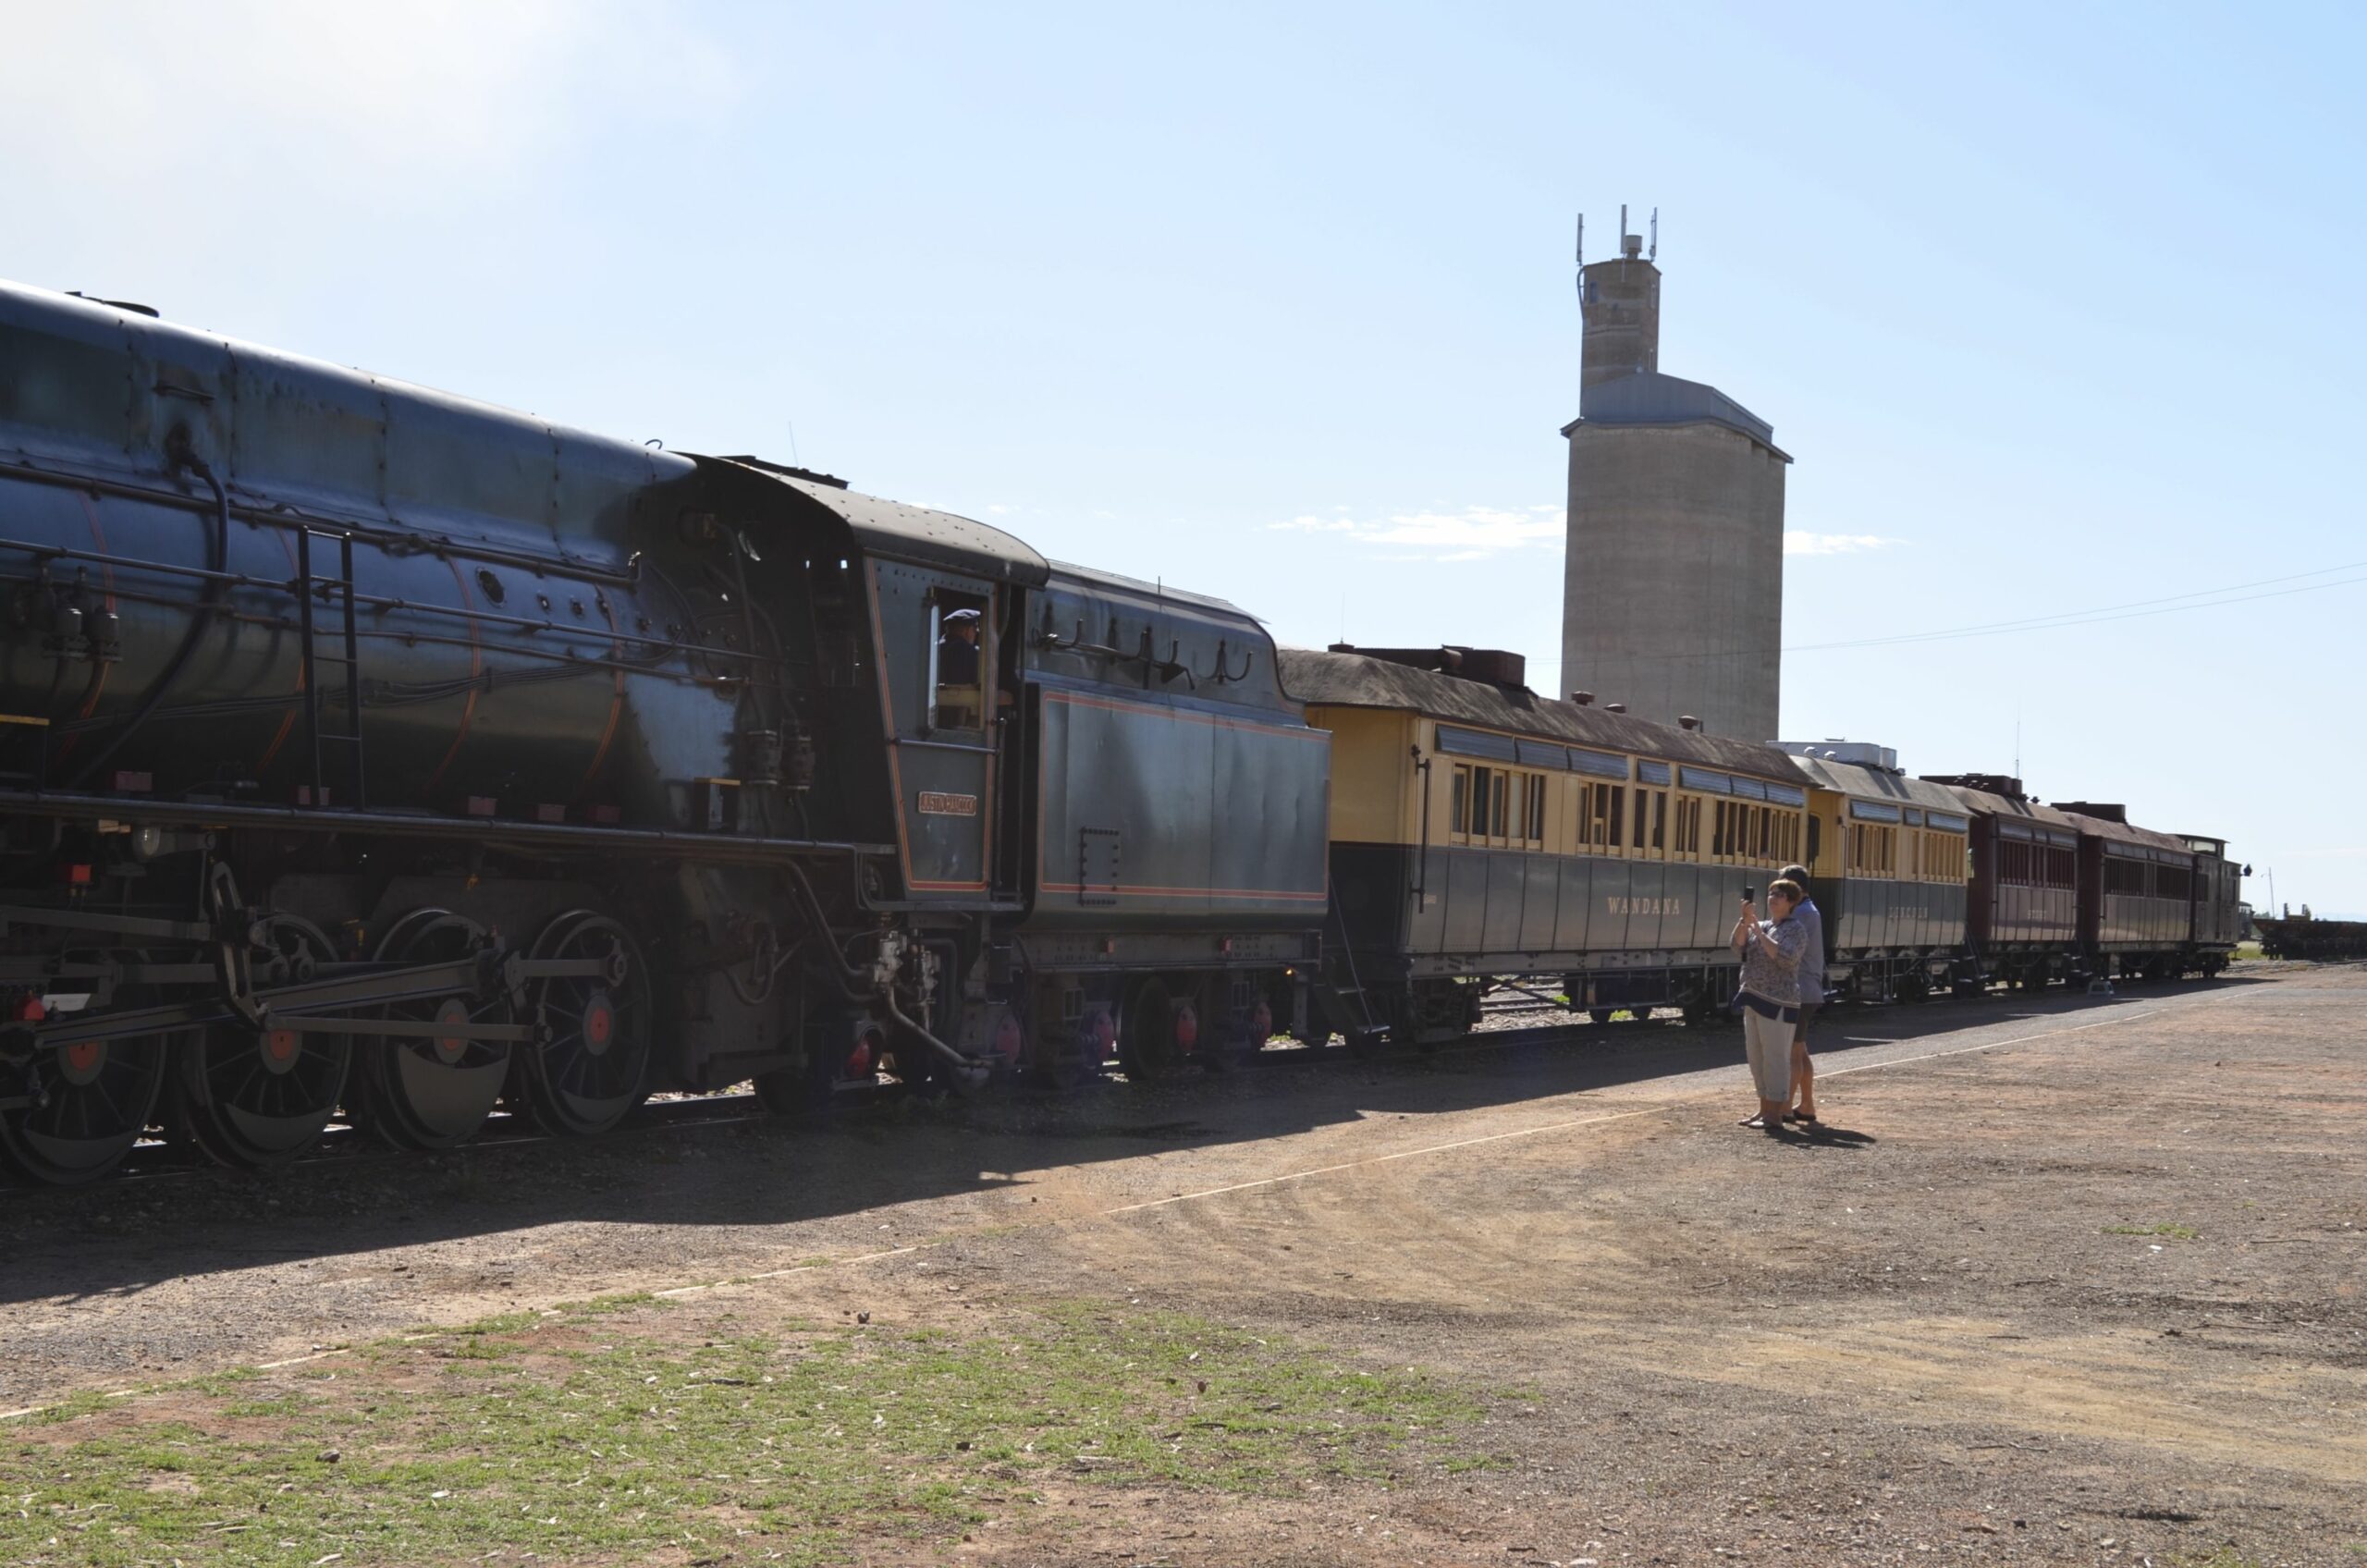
[764,1173]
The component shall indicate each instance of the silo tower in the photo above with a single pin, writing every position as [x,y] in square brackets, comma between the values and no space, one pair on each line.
[1672,590]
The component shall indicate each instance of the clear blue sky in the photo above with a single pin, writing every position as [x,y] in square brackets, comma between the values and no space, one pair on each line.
[2055,305]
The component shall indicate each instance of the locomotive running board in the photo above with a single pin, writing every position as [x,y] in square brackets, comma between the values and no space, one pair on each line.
[477,830]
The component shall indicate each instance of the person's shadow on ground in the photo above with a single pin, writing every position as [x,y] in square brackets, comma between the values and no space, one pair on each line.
[1826,1135]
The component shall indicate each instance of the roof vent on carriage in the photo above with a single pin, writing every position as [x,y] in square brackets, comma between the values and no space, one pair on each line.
[1494,666]
[1850,753]
[2103,811]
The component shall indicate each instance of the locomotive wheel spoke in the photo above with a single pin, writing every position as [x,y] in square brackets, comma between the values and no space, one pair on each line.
[432,1092]
[591,1063]
[94,1100]
[261,1096]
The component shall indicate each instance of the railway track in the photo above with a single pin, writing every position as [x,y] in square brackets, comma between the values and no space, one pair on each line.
[344,1147]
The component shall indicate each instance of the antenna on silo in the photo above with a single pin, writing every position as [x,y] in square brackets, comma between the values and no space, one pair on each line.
[1582,256]
[1654,253]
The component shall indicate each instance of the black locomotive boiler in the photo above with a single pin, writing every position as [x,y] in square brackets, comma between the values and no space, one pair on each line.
[366,749]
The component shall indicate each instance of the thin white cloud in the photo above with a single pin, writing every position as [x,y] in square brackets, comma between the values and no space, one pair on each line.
[1474,534]
[428,90]
[1798,542]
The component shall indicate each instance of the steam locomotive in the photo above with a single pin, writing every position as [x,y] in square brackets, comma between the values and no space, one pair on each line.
[369,752]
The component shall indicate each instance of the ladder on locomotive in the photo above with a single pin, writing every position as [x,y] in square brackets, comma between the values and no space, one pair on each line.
[317,741]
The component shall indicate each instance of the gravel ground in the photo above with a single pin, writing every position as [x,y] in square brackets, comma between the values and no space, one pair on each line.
[2072,1280]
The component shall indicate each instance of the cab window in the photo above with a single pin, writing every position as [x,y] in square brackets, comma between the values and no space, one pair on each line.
[957,652]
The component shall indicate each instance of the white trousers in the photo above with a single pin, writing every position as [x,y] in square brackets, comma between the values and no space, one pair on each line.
[1768,1044]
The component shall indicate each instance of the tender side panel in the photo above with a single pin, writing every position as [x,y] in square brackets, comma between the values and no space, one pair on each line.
[1176,814]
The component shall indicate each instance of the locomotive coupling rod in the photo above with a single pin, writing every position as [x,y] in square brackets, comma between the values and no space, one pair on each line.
[102,920]
[410,1028]
[283,1005]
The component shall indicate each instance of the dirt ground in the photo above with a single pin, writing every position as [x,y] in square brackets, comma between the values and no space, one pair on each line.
[2072,1280]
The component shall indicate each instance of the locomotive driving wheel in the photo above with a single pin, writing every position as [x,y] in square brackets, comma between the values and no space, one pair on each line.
[432,1092]
[87,1103]
[260,1096]
[590,1063]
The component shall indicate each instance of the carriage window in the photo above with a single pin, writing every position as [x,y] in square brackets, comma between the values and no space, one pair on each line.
[1537,808]
[1660,820]
[1461,820]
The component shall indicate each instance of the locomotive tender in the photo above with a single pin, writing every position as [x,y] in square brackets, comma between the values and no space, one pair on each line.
[366,751]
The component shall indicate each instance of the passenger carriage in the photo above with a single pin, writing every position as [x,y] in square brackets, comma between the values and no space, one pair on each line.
[1482,834]
[1887,867]
[2022,912]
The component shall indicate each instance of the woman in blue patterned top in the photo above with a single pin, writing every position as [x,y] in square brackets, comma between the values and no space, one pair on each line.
[1772,950]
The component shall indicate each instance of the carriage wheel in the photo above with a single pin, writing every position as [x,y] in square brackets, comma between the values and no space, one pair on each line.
[841,1046]
[253,1096]
[87,1103]
[1228,1039]
[1156,1030]
[1599,1014]
[590,1061]
[432,1094]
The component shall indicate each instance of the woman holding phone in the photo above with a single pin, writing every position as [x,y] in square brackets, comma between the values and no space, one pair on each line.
[1770,949]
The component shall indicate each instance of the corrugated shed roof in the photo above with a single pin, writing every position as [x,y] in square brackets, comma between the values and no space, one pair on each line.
[1356,680]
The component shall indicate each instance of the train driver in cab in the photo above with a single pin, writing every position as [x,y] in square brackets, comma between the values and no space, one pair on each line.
[958,696]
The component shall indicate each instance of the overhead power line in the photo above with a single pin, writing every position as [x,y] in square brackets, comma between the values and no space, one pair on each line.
[2201,599]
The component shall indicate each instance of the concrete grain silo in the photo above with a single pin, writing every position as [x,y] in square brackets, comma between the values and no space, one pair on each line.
[1672,590]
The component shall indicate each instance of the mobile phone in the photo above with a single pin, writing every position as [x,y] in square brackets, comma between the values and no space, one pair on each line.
[1748,894]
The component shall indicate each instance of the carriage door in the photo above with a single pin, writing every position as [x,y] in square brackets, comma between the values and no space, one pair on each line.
[937,633]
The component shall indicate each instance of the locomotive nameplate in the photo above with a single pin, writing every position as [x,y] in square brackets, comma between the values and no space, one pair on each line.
[933,803]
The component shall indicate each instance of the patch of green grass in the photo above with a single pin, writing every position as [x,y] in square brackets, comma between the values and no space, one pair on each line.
[518,1433]
[2178,1233]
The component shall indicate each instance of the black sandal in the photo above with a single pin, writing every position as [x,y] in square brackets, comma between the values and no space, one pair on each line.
[1808,1116]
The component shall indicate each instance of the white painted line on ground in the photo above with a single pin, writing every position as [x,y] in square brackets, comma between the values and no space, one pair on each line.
[1988,1046]
[794,1268]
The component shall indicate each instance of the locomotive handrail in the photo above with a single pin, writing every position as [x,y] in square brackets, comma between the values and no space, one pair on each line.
[1167,669]
[376,601]
[281,514]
